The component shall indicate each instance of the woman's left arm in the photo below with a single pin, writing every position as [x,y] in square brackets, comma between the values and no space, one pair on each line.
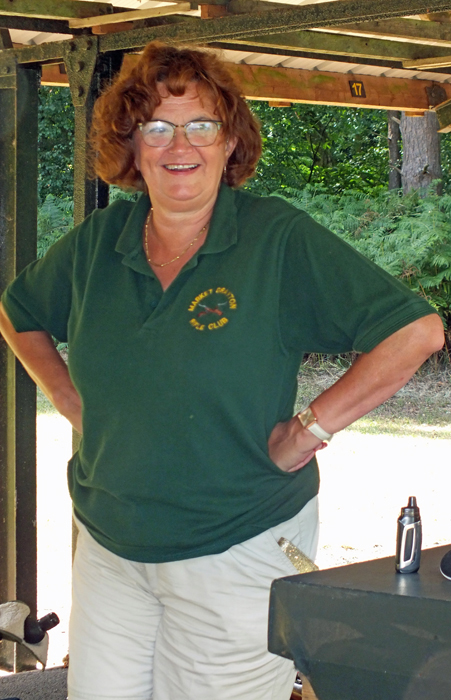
[372,379]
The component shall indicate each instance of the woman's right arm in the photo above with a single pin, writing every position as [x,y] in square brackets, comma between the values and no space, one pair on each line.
[37,353]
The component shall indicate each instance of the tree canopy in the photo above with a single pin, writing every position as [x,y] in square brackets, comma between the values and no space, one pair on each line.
[338,148]
[341,149]
[55,143]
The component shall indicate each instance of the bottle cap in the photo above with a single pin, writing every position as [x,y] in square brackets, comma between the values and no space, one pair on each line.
[412,507]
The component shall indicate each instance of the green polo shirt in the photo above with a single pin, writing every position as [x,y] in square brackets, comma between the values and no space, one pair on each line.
[181,389]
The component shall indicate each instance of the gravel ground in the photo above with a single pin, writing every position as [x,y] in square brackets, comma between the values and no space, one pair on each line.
[367,474]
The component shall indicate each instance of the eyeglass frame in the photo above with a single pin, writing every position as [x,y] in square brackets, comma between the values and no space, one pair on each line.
[218,123]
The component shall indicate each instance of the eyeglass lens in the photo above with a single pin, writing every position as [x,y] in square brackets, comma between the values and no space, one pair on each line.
[199,133]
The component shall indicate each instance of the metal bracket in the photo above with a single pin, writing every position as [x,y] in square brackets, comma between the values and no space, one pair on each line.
[80,56]
[8,70]
[436,95]
[5,39]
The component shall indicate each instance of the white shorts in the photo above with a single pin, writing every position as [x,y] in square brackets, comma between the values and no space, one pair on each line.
[186,630]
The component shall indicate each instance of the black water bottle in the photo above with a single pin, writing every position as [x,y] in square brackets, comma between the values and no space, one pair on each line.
[408,541]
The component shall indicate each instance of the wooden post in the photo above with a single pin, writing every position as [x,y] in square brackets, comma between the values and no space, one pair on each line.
[18,226]
[307,691]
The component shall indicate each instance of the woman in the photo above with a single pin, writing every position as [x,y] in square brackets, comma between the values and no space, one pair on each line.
[187,316]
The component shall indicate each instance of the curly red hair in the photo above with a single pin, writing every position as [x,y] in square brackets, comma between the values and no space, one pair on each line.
[133,97]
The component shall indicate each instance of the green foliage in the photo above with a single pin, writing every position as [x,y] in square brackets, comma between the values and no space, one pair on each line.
[55,218]
[409,236]
[55,143]
[339,148]
[118,193]
[445,158]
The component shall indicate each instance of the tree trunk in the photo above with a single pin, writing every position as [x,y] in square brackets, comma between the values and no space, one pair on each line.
[394,151]
[421,152]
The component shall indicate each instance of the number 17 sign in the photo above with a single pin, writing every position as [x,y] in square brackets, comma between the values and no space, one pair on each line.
[357,88]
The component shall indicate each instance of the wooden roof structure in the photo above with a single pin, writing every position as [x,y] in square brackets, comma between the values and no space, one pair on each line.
[388,54]
[385,54]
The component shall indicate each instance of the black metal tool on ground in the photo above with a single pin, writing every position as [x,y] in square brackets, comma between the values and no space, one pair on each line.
[17,625]
[34,630]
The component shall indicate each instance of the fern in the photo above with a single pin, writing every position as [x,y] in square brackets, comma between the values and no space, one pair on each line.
[55,218]
[408,236]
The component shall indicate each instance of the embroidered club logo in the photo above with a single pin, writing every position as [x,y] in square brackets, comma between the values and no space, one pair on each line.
[210,310]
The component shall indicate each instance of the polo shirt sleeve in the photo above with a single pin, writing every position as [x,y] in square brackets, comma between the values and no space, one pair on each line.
[333,299]
[40,298]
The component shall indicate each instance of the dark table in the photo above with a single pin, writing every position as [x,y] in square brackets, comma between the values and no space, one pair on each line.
[364,632]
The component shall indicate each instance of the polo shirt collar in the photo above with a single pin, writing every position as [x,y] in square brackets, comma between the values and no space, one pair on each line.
[221,235]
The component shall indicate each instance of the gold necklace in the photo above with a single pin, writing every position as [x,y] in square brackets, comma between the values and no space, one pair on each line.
[178,256]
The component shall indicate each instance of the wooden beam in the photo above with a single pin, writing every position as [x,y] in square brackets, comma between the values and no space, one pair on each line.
[54,9]
[437,16]
[36,24]
[428,63]
[5,39]
[208,11]
[286,85]
[412,30]
[112,28]
[337,89]
[54,75]
[326,14]
[307,691]
[408,30]
[131,16]
[340,44]
[279,103]
[242,7]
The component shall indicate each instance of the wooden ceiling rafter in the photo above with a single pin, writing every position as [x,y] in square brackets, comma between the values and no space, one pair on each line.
[410,35]
[55,9]
[286,86]
[84,13]
[132,15]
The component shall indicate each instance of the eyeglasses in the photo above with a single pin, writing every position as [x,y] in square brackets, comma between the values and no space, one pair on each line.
[159,133]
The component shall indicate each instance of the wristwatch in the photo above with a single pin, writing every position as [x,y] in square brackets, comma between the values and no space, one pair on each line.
[310,422]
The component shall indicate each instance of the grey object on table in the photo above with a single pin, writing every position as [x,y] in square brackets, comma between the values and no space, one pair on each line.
[365,632]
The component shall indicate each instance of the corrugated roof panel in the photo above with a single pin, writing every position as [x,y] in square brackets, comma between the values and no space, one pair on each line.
[23,36]
[360,69]
[234,56]
[258,59]
[426,75]
[416,74]
[300,63]
[336,67]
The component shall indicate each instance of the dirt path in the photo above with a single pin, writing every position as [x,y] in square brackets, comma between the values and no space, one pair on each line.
[365,481]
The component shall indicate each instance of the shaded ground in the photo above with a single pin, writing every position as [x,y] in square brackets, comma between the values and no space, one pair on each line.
[422,407]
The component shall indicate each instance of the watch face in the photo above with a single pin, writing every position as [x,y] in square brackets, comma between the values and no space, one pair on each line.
[307,418]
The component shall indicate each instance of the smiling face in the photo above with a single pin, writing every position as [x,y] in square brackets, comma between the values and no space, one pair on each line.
[182,177]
